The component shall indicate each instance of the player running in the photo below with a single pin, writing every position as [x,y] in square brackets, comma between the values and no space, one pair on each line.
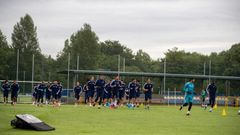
[100,84]
[6,89]
[148,89]
[189,93]
[40,93]
[107,94]
[54,88]
[86,98]
[132,93]
[59,93]
[91,90]
[138,92]
[77,91]
[34,95]
[121,93]
[212,89]
[203,97]
[14,92]
[48,94]
[115,84]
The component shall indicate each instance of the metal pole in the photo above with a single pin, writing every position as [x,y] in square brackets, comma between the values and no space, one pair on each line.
[204,68]
[77,65]
[17,64]
[123,68]
[210,66]
[168,96]
[32,71]
[49,74]
[68,76]
[24,72]
[164,79]
[118,65]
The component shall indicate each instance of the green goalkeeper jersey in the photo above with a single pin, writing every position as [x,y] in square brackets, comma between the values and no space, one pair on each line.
[203,94]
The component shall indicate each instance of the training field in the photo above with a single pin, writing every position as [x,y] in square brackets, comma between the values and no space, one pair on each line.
[159,120]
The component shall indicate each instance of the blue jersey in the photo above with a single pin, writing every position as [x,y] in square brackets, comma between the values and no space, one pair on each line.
[116,84]
[212,89]
[54,88]
[91,85]
[48,92]
[77,90]
[148,87]
[41,87]
[108,88]
[60,89]
[6,88]
[100,84]
[15,88]
[132,87]
[189,88]
[122,87]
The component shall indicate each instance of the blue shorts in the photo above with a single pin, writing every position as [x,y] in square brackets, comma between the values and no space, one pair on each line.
[137,94]
[90,93]
[114,93]
[148,96]
[5,94]
[54,96]
[106,95]
[121,94]
[132,95]
[188,99]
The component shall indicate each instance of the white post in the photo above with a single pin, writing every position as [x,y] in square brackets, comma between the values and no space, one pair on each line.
[164,79]
[17,64]
[175,95]
[68,76]
[118,65]
[32,70]
[168,96]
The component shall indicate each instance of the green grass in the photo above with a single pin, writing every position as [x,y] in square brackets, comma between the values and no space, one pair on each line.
[159,120]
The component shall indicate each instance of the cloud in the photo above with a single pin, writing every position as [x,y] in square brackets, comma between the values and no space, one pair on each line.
[154,25]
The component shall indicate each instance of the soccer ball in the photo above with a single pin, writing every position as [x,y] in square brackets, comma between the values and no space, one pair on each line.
[238,112]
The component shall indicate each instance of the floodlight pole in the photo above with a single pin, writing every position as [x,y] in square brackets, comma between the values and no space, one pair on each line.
[77,65]
[68,76]
[123,67]
[24,74]
[32,71]
[17,64]
[210,66]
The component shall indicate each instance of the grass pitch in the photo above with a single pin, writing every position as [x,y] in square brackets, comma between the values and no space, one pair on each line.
[159,120]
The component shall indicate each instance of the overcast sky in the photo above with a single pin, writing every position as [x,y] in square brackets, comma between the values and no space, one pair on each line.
[152,25]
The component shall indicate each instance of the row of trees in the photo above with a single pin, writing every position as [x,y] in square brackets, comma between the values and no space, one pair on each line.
[102,55]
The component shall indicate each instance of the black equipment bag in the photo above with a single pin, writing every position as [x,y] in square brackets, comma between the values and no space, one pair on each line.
[27,121]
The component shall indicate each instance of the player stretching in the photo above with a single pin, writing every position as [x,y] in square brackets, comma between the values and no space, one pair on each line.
[6,89]
[77,91]
[189,92]
[148,89]
[14,92]
[212,89]
[100,84]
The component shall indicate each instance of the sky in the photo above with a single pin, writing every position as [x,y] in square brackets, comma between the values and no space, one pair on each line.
[154,26]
